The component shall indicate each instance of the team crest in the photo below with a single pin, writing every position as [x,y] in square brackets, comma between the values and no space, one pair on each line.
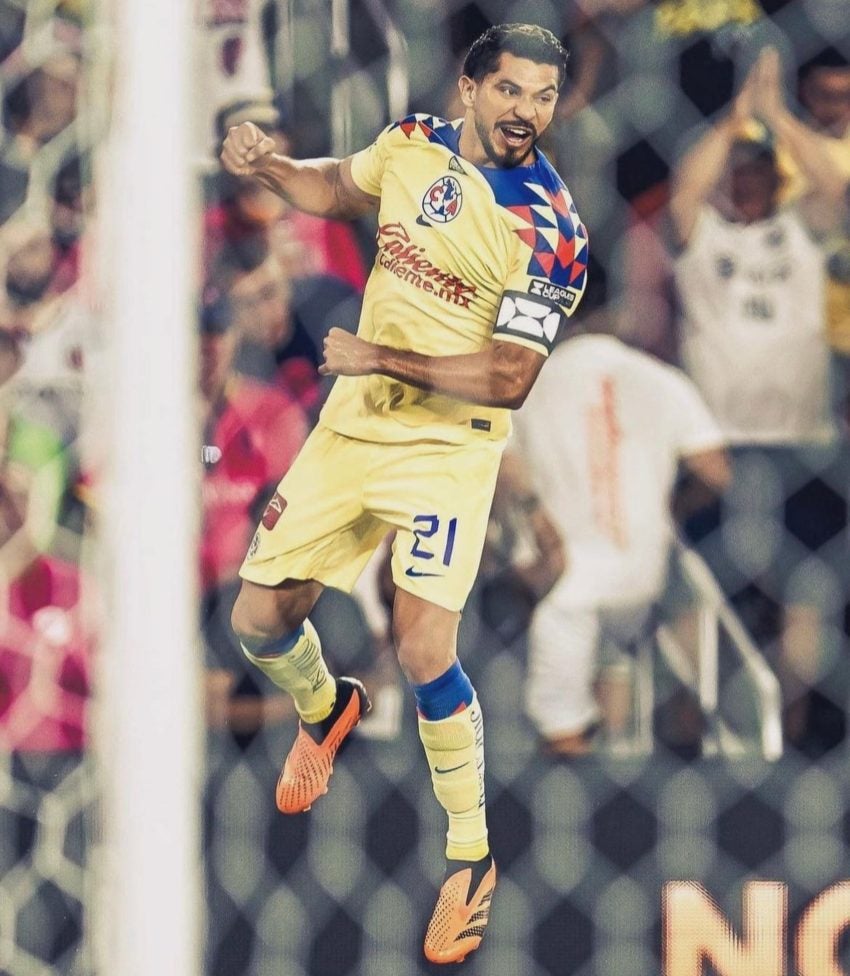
[442,200]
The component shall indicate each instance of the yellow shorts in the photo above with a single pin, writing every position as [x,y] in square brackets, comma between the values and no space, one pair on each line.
[342,496]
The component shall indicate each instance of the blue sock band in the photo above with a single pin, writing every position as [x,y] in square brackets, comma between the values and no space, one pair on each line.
[279,646]
[444,695]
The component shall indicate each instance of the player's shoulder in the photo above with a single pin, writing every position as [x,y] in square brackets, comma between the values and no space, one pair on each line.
[539,209]
[425,129]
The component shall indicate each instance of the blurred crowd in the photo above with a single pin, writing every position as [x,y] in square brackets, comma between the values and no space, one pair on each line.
[700,392]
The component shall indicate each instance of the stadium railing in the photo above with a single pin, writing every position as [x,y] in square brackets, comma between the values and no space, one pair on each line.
[716,619]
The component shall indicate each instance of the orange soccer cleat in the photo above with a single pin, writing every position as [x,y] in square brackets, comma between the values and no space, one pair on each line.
[462,911]
[309,765]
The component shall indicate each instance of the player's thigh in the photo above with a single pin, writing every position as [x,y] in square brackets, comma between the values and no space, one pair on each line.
[315,526]
[438,498]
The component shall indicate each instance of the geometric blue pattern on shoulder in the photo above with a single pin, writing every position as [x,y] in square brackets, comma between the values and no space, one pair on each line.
[432,127]
[550,225]
[538,196]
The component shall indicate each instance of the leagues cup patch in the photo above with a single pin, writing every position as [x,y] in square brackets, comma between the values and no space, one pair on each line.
[555,293]
[443,200]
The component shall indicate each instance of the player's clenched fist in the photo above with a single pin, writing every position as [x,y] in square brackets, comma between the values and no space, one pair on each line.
[347,355]
[246,150]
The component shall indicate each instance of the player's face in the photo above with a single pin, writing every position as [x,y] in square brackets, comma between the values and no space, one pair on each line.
[509,110]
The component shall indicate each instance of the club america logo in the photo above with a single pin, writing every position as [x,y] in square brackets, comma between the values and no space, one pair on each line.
[442,200]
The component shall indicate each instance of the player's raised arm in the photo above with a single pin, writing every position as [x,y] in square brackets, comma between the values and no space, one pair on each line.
[322,187]
[501,375]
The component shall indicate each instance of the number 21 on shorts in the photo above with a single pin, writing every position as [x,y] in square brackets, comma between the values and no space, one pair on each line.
[440,536]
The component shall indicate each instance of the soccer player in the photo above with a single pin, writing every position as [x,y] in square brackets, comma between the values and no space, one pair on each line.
[481,254]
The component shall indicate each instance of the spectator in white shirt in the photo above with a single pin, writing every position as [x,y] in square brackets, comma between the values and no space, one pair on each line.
[604,433]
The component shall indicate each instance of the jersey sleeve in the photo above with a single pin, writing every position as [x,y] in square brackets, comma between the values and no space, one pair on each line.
[548,273]
[367,166]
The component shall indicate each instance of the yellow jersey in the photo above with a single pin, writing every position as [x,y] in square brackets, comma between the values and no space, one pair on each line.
[465,255]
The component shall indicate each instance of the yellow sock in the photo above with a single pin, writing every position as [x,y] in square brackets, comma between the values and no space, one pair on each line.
[455,750]
[303,673]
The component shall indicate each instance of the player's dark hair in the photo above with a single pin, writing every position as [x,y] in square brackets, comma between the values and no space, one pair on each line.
[522,41]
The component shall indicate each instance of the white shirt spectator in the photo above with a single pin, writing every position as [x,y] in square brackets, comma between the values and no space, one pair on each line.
[603,430]
[753,327]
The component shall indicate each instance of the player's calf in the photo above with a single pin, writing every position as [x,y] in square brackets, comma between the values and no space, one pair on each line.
[328,710]
[451,727]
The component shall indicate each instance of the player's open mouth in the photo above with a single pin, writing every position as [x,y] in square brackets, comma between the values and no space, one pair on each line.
[515,135]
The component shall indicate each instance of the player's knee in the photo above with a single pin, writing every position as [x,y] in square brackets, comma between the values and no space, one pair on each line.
[422,659]
[244,621]
[266,613]
[425,638]
[258,617]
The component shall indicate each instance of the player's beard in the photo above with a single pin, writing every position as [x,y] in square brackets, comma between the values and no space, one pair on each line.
[509,157]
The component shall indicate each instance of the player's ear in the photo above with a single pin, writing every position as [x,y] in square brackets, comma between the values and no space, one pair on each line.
[466,86]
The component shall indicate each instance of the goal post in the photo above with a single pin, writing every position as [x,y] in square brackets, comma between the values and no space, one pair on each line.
[148,734]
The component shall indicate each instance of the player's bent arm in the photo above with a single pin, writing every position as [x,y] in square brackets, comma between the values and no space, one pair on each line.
[323,187]
[501,375]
